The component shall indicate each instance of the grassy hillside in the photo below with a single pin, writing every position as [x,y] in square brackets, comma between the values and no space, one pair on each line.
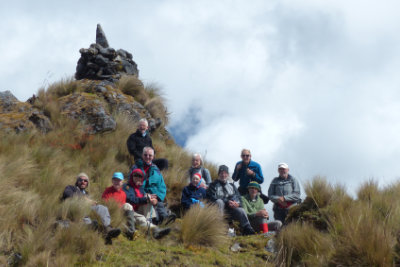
[329,229]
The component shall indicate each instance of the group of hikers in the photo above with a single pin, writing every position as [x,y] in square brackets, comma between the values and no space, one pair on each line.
[142,196]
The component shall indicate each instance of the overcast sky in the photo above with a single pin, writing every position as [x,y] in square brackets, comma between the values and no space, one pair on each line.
[311,83]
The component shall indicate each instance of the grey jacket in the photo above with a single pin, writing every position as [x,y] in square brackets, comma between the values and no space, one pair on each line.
[205,174]
[288,188]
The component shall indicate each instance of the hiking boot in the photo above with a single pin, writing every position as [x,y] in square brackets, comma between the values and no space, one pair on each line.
[111,233]
[248,231]
[171,218]
[129,235]
[160,233]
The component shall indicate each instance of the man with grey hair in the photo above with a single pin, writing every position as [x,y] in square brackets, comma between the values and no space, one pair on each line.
[141,139]
[284,192]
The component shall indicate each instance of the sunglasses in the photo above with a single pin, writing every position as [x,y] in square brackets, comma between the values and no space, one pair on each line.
[138,175]
[83,180]
[246,156]
[148,155]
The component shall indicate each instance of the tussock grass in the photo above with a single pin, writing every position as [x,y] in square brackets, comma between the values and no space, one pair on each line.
[302,243]
[204,227]
[320,191]
[132,86]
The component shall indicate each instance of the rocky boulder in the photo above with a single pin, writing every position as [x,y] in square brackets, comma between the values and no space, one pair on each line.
[101,62]
[19,116]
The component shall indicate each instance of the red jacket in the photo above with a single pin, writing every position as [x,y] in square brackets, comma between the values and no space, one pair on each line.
[118,196]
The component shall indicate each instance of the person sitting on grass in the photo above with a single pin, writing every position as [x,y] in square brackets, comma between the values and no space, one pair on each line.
[80,190]
[116,193]
[142,203]
[193,193]
[197,167]
[226,196]
[154,186]
[257,214]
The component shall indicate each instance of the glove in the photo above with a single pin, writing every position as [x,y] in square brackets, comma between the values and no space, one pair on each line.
[201,204]
[194,201]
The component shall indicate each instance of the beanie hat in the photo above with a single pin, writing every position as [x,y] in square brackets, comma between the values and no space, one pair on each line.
[118,175]
[254,185]
[223,168]
[198,175]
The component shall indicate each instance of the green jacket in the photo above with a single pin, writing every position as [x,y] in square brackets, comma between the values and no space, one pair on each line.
[251,207]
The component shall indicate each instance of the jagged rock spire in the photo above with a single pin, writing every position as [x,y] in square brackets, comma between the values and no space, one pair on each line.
[101,38]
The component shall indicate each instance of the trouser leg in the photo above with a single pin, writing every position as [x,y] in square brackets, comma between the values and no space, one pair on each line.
[240,215]
[162,212]
[256,222]
[280,213]
[130,221]
[221,205]
[103,213]
[275,226]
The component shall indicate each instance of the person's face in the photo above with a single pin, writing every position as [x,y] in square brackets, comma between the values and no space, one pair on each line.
[223,176]
[83,182]
[196,162]
[142,126]
[246,157]
[253,192]
[195,180]
[117,183]
[148,156]
[283,173]
[138,179]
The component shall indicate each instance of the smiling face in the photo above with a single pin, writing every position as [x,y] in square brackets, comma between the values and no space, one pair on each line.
[82,182]
[196,162]
[253,192]
[137,179]
[148,155]
[223,176]
[143,127]
[117,183]
[246,156]
[283,173]
[195,180]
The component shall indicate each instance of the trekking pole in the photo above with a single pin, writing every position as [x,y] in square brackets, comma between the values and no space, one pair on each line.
[149,221]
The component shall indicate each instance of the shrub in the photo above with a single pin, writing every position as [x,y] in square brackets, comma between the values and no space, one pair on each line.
[132,86]
[204,227]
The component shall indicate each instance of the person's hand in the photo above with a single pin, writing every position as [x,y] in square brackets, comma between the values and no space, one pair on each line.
[153,200]
[201,204]
[262,213]
[194,201]
[233,204]
[281,199]
[238,166]
[250,172]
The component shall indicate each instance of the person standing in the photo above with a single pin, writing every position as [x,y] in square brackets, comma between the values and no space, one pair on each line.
[247,171]
[284,192]
[141,139]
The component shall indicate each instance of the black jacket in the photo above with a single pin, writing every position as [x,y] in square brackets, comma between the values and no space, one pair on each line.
[73,190]
[136,142]
[225,192]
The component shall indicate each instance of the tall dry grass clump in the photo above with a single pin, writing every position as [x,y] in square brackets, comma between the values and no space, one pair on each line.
[319,190]
[302,243]
[204,227]
[132,86]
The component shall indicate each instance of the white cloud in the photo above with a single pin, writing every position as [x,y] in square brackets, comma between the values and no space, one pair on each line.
[312,83]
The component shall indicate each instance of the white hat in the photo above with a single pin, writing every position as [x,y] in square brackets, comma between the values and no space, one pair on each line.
[283,166]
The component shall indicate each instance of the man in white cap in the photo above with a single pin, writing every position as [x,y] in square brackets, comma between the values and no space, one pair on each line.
[284,192]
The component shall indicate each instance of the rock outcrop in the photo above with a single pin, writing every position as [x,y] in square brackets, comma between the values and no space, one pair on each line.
[101,62]
[19,117]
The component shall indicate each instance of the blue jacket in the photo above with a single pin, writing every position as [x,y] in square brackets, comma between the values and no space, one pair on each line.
[190,192]
[154,181]
[131,195]
[245,179]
